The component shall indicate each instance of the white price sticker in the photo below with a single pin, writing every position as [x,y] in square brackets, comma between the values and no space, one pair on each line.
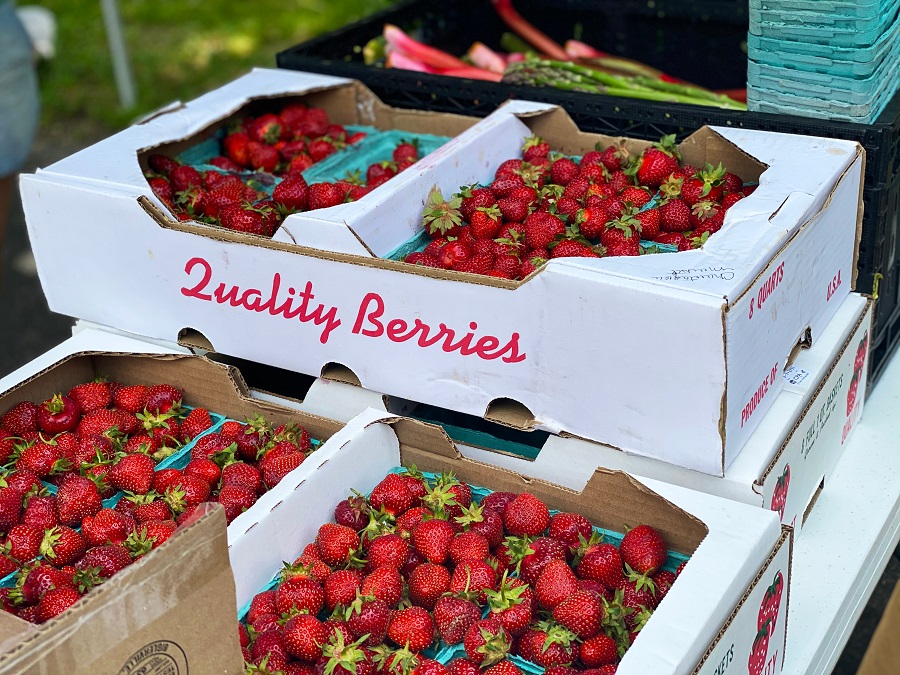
[795,375]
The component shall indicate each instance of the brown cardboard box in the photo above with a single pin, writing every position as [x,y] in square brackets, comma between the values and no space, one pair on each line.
[883,655]
[172,612]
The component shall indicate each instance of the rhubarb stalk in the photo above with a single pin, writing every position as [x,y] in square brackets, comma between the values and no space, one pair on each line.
[486,58]
[430,56]
[528,32]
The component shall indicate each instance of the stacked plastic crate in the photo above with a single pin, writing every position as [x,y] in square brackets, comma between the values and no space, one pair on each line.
[832,59]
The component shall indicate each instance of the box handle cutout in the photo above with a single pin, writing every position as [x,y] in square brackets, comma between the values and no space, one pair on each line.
[194,340]
[510,413]
[804,342]
[339,373]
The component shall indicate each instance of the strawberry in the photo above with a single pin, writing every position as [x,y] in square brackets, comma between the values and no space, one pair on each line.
[503,186]
[163,398]
[474,576]
[106,527]
[569,529]
[384,583]
[550,645]
[292,194]
[432,539]
[21,419]
[62,545]
[239,219]
[152,533]
[469,546]
[341,587]
[453,253]
[581,613]
[300,163]
[336,543]
[156,509]
[555,584]
[512,604]
[236,499]
[706,184]
[477,264]
[505,667]
[643,549]
[592,173]
[563,171]
[132,399]
[388,550]
[463,667]
[509,167]
[454,616]
[509,265]
[108,560]
[186,492]
[612,157]
[324,195]
[657,162]
[534,147]
[56,601]
[197,421]
[532,261]
[412,627]
[303,636]
[58,414]
[320,149]
[91,395]
[592,221]
[369,617]
[542,551]
[185,178]
[569,248]
[635,196]
[430,667]
[42,459]
[486,221]
[23,542]
[498,501]
[675,216]
[391,495]
[133,473]
[486,642]
[301,594]
[472,198]
[526,515]
[40,512]
[663,581]
[77,498]
[542,228]
[577,188]
[275,469]
[205,469]
[599,650]
[427,583]
[406,151]
[263,157]
[649,223]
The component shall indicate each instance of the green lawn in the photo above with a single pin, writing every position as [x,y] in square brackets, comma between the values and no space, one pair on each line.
[178,49]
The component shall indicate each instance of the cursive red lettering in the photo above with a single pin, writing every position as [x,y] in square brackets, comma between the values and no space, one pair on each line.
[485,346]
[200,285]
[513,348]
[396,329]
[365,314]
[254,304]
[231,296]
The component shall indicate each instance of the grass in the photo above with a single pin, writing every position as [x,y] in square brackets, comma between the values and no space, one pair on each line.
[178,49]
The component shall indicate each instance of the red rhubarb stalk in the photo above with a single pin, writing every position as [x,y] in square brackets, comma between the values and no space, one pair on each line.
[528,32]
[430,56]
[403,62]
[472,73]
[486,58]
[576,49]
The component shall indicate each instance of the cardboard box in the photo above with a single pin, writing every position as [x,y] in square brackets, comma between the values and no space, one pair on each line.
[710,614]
[785,462]
[166,613]
[578,337]
[883,654]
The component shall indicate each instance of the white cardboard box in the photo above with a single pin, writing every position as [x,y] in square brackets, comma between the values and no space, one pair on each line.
[675,356]
[709,616]
[791,453]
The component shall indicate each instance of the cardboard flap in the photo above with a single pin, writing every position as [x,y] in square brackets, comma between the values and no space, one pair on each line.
[424,435]
[13,630]
[156,596]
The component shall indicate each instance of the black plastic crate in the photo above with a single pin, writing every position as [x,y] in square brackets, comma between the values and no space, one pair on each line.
[702,41]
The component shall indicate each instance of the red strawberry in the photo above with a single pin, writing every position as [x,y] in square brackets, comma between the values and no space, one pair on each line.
[77,498]
[91,395]
[526,515]
[384,583]
[657,162]
[235,499]
[132,399]
[601,562]
[513,605]
[406,151]
[427,583]
[298,593]
[369,618]
[275,469]
[320,149]
[391,495]
[486,221]
[552,645]
[569,529]
[108,560]
[675,216]
[239,219]
[205,469]
[412,627]
[471,198]
[432,539]
[185,178]
[486,642]
[581,612]
[542,228]
[599,650]
[23,543]
[151,534]
[106,527]
[163,398]
[454,616]
[636,196]
[40,512]
[324,195]
[556,583]
[56,601]
[304,636]
[262,157]
[643,549]
[197,421]
[569,248]
[133,473]
[62,545]
[563,171]
[336,543]
[535,147]
[21,418]
[292,194]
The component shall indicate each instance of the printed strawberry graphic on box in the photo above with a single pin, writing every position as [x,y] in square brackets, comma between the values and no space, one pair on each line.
[851,392]
[861,353]
[768,610]
[760,651]
[779,496]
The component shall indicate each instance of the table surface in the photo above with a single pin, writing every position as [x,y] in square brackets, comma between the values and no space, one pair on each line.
[848,537]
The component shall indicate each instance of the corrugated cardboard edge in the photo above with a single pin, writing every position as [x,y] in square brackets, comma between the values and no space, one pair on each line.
[759,482]
[787,536]
[417,438]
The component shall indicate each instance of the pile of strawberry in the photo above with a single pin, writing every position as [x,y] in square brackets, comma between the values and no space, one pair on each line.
[419,565]
[62,545]
[544,205]
[283,145]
